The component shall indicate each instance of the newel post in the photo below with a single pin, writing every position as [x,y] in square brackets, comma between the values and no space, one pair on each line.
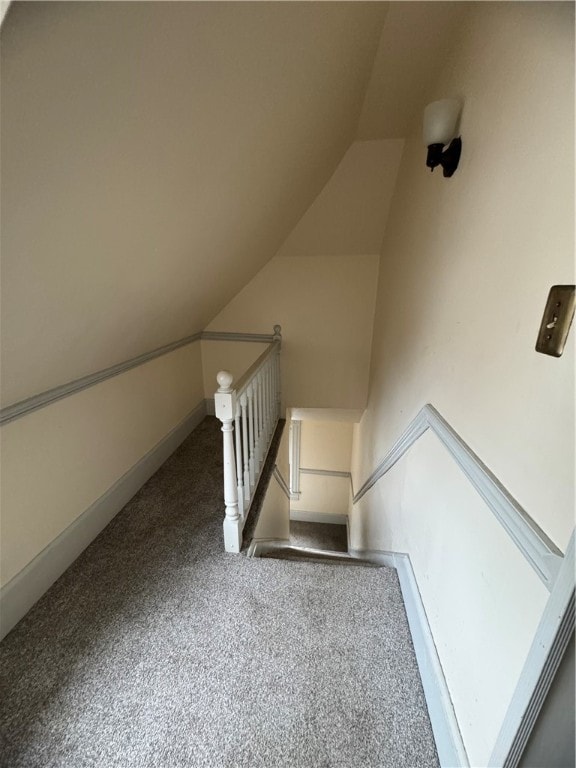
[225,406]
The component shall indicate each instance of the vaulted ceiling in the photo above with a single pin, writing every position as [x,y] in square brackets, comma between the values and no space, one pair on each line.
[156,155]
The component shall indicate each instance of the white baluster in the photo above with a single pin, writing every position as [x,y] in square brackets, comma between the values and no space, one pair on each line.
[277,383]
[265,398]
[240,483]
[270,401]
[266,411]
[225,406]
[256,428]
[260,401]
[278,338]
[247,494]
[264,416]
[251,432]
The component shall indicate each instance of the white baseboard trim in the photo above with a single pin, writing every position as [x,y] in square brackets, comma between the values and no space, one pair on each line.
[552,638]
[451,750]
[28,586]
[303,516]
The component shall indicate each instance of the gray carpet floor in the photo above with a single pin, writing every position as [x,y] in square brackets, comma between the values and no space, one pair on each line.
[158,649]
[327,536]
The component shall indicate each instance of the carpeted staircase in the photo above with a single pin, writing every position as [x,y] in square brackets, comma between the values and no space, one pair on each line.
[158,650]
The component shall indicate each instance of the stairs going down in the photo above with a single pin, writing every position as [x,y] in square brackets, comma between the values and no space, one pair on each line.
[317,542]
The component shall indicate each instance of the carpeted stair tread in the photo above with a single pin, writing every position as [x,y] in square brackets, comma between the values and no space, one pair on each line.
[290,552]
[156,649]
[319,535]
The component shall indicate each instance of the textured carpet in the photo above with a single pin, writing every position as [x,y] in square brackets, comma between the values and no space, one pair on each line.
[319,535]
[157,649]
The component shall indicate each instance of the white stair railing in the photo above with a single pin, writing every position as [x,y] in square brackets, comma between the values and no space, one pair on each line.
[249,412]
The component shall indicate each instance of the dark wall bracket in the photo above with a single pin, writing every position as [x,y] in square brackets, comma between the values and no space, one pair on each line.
[448,158]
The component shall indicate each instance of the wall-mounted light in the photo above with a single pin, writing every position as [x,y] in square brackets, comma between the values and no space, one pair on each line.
[440,124]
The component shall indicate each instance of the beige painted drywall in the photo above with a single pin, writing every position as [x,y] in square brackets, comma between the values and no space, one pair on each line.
[322,494]
[411,51]
[283,455]
[325,306]
[321,293]
[58,460]
[154,157]
[466,267]
[233,356]
[274,518]
[326,445]
[349,215]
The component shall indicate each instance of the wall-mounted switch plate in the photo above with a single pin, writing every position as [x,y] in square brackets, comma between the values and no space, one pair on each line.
[557,320]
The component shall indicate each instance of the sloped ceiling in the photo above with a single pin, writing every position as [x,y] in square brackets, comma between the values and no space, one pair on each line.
[154,157]
[348,218]
[415,43]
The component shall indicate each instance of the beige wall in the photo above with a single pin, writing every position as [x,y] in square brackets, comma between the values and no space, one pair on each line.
[321,285]
[58,460]
[411,51]
[283,455]
[466,267]
[349,215]
[233,356]
[324,445]
[322,494]
[325,307]
[154,157]
[274,518]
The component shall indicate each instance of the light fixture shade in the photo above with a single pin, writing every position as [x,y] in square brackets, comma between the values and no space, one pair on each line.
[440,119]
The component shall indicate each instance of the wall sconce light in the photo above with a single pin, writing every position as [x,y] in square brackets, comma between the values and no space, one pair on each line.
[440,123]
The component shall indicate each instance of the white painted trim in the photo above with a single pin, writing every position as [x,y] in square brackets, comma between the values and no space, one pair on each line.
[281,482]
[538,549]
[550,642]
[449,743]
[42,399]
[325,473]
[258,338]
[294,443]
[349,415]
[331,518]
[28,586]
